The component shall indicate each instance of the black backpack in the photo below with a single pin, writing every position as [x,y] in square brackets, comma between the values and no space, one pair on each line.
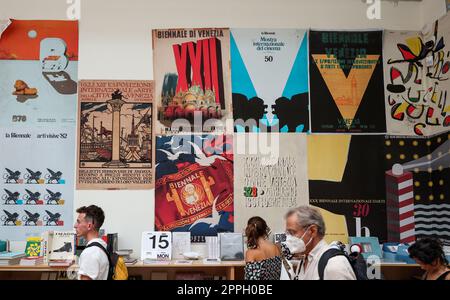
[110,257]
[355,259]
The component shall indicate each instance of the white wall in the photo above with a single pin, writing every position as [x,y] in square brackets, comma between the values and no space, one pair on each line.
[432,10]
[115,43]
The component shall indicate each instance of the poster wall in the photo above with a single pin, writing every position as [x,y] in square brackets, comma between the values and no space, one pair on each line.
[115,135]
[417,80]
[194,184]
[192,78]
[270,79]
[270,190]
[346,81]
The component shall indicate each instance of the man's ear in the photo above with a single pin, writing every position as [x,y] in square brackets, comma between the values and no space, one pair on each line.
[314,230]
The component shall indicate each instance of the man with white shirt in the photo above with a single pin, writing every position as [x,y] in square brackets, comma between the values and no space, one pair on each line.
[305,231]
[93,262]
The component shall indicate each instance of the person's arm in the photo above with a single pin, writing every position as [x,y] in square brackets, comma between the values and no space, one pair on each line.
[84,277]
[338,268]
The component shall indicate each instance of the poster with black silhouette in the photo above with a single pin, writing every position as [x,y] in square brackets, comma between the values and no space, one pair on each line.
[115,134]
[194,184]
[62,246]
[38,81]
[269,187]
[36,184]
[191,68]
[346,177]
[270,80]
[416,72]
[423,169]
[346,81]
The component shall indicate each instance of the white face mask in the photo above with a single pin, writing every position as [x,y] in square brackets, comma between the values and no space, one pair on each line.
[295,244]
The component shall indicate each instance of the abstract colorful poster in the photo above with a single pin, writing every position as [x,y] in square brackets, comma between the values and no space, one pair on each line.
[192,80]
[270,79]
[418,197]
[39,70]
[194,184]
[346,177]
[270,190]
[417,80]
[346,81]
[115,134]
[37,181]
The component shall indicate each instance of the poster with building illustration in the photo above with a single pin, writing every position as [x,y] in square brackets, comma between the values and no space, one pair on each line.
[270,80]
[39,73]
[37,180]
[417,80]
[346,82]
[191,70]
[194,184]
[417,178]
[115,134]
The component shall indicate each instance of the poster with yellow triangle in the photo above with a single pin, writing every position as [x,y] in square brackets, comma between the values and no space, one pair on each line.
[346,82]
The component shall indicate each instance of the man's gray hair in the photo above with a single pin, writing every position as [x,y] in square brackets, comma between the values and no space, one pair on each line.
[306,216]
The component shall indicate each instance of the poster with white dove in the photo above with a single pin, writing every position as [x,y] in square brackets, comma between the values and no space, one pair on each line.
[194,184]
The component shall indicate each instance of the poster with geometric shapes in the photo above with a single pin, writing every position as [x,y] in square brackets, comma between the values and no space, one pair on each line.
[418,197]
[191,69]
[417,80]
[194,184]
[346,81]
[37,183]
[270,189]
[269,79]
[39,71]
[346,177]
[115,134]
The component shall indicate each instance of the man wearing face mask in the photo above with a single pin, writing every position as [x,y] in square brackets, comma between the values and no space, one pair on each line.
[305,230]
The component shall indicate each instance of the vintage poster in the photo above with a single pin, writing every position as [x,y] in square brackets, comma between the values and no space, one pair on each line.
[39,71]
[270,188]
[269,77]
[37,184]
[191,70]
[194,184]
[346,177]
[417,80]
[115,134]
[417,177]
[346,81]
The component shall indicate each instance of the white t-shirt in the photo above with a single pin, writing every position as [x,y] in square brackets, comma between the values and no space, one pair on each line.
[94,262]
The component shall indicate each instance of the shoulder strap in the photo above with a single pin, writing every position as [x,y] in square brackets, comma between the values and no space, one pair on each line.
[443,275]
[324,260]
[97,244]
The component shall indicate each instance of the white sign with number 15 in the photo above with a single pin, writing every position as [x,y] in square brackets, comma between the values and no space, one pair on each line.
[156,245]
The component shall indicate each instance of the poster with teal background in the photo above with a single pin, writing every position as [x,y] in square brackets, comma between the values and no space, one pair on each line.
[269,77]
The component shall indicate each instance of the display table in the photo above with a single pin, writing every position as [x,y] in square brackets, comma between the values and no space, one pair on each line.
[399,271]
[230,270]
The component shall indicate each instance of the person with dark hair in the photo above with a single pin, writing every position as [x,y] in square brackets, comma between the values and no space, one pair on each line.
[262,259]
[428,253]
[93,262]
